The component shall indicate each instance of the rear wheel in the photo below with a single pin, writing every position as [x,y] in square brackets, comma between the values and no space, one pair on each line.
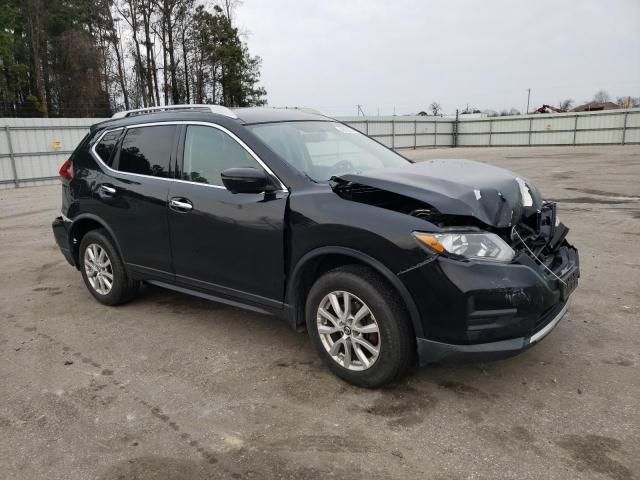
[103,271]
[358,327]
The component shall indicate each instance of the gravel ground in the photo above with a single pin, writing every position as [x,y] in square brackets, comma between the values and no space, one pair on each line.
[174,387]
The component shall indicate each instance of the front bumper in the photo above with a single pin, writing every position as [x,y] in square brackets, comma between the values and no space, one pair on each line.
[483,310]
[61,226]
[431,351]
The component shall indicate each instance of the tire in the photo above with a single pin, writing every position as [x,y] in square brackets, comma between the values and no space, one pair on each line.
[105,270]
[395,340]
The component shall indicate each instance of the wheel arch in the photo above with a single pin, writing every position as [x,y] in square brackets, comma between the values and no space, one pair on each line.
[320,260]
[84,223]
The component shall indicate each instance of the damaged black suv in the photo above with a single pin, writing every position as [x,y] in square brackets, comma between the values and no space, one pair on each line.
[286,212]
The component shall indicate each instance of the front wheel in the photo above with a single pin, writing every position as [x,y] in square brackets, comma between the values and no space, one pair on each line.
[360,330]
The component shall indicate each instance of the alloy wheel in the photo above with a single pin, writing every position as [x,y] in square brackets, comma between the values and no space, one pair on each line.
[98,268]
[348,330]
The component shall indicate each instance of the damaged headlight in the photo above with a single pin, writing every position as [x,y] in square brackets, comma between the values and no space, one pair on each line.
[477,246]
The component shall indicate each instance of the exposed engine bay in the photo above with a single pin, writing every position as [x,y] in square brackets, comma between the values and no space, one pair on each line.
[455,194]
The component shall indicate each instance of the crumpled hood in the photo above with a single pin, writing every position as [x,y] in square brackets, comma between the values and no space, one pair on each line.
[493,195]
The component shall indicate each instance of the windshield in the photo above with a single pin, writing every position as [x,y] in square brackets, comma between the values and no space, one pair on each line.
[324,149]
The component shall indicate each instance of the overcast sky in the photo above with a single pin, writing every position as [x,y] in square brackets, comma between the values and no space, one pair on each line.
[334,54]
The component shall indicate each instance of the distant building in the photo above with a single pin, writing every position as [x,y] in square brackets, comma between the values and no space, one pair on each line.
[596,107]
[474,115]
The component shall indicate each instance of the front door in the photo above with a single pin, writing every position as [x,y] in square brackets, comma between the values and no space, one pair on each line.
[231,244]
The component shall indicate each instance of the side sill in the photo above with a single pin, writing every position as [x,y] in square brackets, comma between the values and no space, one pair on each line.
[208,296]
[139,272]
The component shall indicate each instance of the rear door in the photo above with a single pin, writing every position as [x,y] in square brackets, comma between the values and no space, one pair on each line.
[132,195]
[225,243]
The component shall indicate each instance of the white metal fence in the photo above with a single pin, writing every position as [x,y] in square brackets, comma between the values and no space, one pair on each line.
[32,149]
[610,127]
[406,132]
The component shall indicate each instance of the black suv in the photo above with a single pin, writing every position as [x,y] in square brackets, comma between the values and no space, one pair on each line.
[290,213]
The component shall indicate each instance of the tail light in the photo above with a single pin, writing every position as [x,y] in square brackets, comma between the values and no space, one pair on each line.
[66,170]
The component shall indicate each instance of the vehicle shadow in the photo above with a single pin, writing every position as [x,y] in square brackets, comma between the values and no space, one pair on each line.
[296,352]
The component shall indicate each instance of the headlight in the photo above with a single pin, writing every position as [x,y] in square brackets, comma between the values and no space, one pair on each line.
[479,246]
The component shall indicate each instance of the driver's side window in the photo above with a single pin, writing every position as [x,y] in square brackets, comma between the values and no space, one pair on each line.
[208,152]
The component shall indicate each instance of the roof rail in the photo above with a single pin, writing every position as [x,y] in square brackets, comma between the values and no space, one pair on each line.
[303,109]
[219,109]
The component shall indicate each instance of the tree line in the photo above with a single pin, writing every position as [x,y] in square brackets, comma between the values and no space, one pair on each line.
[90,58]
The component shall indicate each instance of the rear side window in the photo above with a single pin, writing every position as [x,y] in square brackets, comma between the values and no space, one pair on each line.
[147,150]
[208,151]
[107,145]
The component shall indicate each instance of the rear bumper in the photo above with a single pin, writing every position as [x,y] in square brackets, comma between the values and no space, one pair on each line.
[431,351]
[61,226]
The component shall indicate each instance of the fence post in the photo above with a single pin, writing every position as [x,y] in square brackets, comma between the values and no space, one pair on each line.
[624,126]
[366,127]
[393,133]
[530,128]
[415,134]
[455,131]
[12,158]
[490,130]
[575,129]
[435,133]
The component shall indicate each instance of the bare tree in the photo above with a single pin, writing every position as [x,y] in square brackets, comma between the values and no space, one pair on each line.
[113,36]
[147,10]
[184,22]
[228,7]
[601,96]
[32,10]
[435,108]
[131,17]
[167,10]
[507,113]
[565,105]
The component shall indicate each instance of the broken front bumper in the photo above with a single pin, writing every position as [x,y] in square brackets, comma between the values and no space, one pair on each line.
[430,351]
[486,310]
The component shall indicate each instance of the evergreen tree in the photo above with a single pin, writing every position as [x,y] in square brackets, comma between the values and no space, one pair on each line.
[92,57]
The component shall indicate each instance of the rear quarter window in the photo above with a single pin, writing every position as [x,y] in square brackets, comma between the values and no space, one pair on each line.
[105,148]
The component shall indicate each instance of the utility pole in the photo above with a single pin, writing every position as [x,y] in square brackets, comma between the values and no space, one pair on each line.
[360,111]
[528,97]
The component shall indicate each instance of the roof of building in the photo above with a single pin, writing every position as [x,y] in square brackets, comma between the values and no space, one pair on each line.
[596,106]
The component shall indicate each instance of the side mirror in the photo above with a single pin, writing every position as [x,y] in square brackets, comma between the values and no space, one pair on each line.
[245,180]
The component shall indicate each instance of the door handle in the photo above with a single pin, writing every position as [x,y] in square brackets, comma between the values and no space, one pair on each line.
[107,189]
[180,204]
